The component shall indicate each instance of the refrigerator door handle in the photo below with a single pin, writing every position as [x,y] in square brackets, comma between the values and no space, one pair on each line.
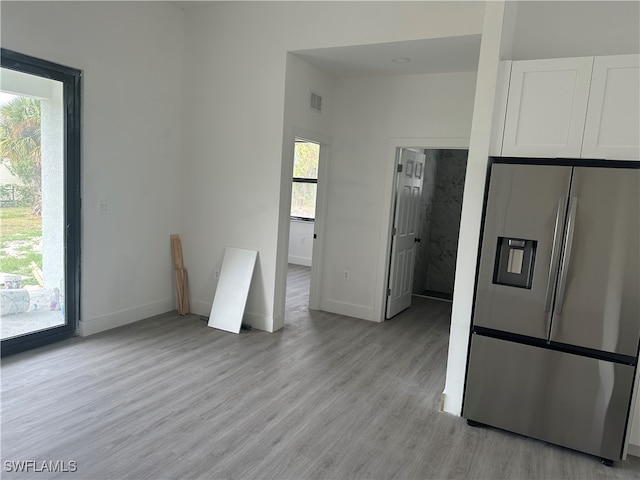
[555,254]
[568,241]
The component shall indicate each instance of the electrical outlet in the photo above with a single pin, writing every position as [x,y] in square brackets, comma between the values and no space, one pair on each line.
[104,208]
[216,273]
[345,275]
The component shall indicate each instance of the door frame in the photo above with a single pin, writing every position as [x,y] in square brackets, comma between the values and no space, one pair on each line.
[71,80]
[391,191]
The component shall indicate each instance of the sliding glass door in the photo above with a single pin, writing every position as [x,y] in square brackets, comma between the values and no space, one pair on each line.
[39,201]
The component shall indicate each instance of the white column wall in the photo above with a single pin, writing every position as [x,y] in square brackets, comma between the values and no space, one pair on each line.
[53,184]
[472,207]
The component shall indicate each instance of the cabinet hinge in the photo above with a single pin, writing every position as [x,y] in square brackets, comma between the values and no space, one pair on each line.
[399,167]
[388,292]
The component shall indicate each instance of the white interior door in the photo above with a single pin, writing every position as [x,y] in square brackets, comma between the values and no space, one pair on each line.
[403,246]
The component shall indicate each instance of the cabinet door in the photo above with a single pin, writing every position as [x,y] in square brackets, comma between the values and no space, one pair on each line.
[612,129]
[546,107]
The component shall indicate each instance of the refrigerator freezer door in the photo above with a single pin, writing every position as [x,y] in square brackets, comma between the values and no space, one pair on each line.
[525,202]
[599,283]
[570,400]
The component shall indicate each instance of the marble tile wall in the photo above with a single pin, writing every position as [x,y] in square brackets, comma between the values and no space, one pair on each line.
[424,220]
[440,221]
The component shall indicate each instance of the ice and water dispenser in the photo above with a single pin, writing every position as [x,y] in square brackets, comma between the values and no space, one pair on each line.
[514,262]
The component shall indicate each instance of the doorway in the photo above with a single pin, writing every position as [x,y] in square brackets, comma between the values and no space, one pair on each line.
[430,269]
[439,222]
[39,201]
[305,223]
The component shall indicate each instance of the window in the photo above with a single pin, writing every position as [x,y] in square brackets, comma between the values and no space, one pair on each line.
[305,180]
[40,242]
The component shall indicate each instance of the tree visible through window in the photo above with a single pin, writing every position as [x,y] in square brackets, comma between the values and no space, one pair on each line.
[305,180]
[20,150]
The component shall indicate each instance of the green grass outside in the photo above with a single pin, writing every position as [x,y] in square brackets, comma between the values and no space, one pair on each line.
[19,224]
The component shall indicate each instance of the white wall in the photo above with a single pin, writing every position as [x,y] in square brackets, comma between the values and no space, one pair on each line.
[371,115]
[299,119]
[473,199]
[131,58]
[301,242]
[234,131]
[561,29]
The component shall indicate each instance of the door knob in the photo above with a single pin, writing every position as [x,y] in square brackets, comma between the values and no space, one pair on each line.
[417,240]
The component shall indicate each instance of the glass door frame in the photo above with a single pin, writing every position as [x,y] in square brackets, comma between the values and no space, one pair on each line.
[71,80]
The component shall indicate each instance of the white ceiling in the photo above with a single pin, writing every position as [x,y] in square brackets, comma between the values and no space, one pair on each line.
[435,55]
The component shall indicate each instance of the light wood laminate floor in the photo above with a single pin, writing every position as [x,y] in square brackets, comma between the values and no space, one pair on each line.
[327,397]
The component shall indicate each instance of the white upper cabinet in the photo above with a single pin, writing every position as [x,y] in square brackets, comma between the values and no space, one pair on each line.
[546,107]
[612,128]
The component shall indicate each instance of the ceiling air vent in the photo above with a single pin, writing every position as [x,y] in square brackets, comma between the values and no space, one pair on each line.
[315,102]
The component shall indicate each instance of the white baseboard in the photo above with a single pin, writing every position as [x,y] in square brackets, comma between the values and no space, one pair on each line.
[91,326]
[257,321]
[633,450]
[300,260]
[348,309]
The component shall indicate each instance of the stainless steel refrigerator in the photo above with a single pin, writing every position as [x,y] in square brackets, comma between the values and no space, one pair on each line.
[556,324]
